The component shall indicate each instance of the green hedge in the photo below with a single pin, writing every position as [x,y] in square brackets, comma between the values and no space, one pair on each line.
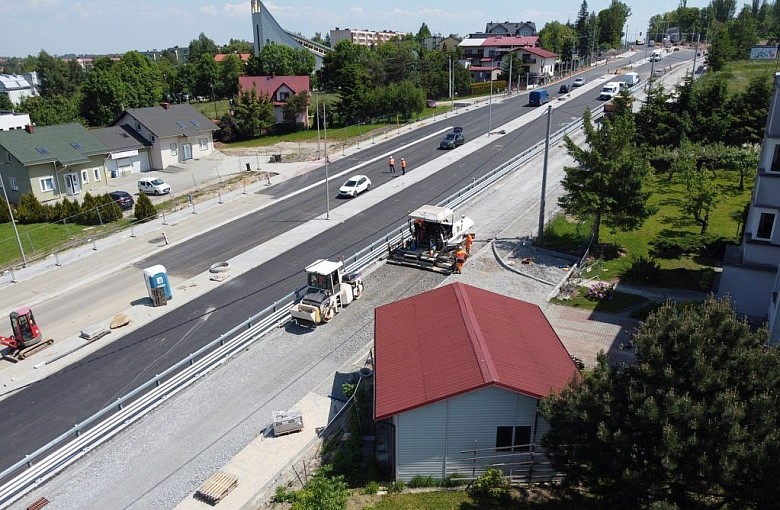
[483,88]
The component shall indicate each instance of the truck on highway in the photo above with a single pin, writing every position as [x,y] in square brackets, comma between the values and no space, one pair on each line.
[609,90]
[630,78]
[436,237]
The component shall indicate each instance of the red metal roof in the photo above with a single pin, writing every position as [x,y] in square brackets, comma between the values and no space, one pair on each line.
[541,52]
[219,57]
[460,338]
[528,40]
[270,84]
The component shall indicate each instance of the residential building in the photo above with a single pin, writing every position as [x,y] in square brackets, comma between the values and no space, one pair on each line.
[515,29]
[363,37]
[49,161]
[266,30]
[750,271]
[127,152]
[458,374]
[13,120]
[19,86]
[176,133]
[179,53]
[439,43]
[485,57]
[279,89]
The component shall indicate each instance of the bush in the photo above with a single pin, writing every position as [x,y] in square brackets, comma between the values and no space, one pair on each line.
[29,210]
[644,269]
[483,88]
[323,492]
[396,487]
[4,216]
[707,276]
[284,495]
[672,247]
[455,480]
[424,481]
[601,291]
[491,485]
[144,209]
[371,487]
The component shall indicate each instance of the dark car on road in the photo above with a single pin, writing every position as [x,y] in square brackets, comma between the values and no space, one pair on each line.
[564,89]
[123,199]
[453,139]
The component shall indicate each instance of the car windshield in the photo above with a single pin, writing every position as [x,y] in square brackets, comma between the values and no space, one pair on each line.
[350,183]
[450,136]
[157,182]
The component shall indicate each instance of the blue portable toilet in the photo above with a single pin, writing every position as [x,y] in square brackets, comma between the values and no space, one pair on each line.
[157,278]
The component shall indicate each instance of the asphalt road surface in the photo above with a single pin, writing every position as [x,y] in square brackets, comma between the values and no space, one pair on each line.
[45,409]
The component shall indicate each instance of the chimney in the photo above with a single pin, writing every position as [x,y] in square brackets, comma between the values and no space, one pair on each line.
[30,128]
[167,106]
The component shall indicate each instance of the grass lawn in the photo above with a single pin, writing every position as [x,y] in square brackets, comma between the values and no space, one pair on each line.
[620,302]
[739,73]
[456,500]
[686,272]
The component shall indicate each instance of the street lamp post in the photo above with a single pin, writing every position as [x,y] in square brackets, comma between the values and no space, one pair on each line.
[327,188]
[13,221]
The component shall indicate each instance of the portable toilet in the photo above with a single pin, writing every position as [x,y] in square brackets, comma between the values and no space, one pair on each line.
[158,285]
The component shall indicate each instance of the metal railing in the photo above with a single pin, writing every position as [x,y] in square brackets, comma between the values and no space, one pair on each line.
[64,450]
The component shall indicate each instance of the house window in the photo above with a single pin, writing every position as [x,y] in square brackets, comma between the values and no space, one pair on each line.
[204,144]
[283,96]
[84,176]
[138,126]
[516,439]
[13,183]
[776,159]
[766,223]
[174,149]
[96,174]
[47,184]
[7,157]
[152,138]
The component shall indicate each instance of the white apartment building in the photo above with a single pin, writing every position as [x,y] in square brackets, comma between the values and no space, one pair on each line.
[363,37]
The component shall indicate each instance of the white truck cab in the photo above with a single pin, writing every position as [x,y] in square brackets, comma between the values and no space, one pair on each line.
[609,90]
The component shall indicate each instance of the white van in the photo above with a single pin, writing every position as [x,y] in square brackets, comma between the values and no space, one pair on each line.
[609,90]
[153,186]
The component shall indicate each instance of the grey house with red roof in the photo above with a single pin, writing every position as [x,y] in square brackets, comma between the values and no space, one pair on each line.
[459,372]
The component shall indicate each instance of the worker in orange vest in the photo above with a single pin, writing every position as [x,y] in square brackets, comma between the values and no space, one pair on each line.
[403,166]
[391,163]
[469,241]
[460,259]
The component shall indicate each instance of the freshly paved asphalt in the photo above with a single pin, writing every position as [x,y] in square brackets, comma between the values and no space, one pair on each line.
[43,410]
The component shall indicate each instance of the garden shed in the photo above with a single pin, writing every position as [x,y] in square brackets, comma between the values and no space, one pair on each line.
[459,372]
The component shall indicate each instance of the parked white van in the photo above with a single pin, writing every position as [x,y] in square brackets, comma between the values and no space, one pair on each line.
[153,186]
[609,91]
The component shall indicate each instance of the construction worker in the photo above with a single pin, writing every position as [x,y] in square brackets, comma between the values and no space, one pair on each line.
[460,259]
[392,164]
[469,240]
[403,166]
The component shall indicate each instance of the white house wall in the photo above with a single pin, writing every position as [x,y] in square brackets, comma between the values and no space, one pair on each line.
[430,440]
[752,299]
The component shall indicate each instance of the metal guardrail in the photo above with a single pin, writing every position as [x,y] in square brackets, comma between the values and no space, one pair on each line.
[64,450]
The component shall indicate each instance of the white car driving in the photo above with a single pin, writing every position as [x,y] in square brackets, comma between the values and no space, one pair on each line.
[354,186]
[578,82]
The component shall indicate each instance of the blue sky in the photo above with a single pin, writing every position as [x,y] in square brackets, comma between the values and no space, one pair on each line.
[116,26]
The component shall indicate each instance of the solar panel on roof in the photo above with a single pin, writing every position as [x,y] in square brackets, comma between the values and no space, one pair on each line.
[180,124]
[42,150]
[194,122]
[76,145]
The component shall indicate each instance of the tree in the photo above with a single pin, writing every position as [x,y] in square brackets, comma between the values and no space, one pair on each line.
[253,114]
[55,75]
[749,110]
[5,103]
[611,22]
[237,46]
[723,10]
[422,34]
[721,48]
[555,35]
[144,208]
[202,46]
[701,192]
[47,111]
[583,30]
[692,424]
[230,69]
[744,33]
[103,94]
[606,185]
[281,60]
[296,105]
[143,84]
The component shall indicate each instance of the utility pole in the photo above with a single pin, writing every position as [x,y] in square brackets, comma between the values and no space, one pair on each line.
[490,104]
[511,58]
[327,189]
[544,175]
[317,109]
[450,69]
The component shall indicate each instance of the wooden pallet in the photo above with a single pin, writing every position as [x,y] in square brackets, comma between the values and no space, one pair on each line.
[216,487]
[42,502]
